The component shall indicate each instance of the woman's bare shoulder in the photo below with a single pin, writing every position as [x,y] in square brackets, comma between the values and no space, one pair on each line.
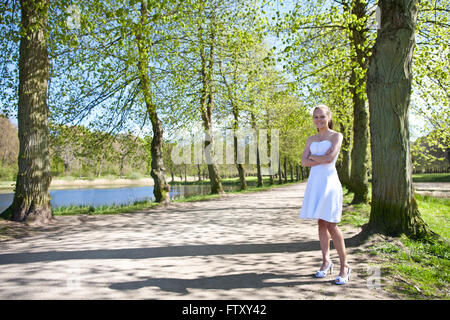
[336,135]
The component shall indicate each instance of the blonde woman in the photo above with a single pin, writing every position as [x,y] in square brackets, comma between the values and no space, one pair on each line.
[323,194]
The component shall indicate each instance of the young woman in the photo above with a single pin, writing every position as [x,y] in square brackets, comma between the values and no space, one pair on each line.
[323,195]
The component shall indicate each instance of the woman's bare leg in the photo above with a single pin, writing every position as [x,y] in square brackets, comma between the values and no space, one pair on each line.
[324,238]
[339,244]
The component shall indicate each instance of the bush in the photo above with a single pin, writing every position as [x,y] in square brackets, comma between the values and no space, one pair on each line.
[8,173]
[135,176]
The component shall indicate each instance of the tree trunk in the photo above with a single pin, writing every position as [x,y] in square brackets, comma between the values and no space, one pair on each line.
[394,209]
[99,174]
[31,198]
[291,171]
[343,168]
[258,161]
[161,188]
[235,110]
[122,163]
[207,105]
[269,150]
[359,154]
[280,177]
[239,166]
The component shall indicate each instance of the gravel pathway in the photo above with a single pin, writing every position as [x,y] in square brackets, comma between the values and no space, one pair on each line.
[245,246]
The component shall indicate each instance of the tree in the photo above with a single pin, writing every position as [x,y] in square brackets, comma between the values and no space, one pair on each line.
[431,158]
[430,99]
[207,40]
[212,33]
[161,188]
[122,53]
[360,50]
[394,209]
[332,42]
[233,100]
[31,197]
[9,142]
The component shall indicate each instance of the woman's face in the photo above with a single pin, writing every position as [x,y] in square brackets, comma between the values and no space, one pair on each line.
[320,118]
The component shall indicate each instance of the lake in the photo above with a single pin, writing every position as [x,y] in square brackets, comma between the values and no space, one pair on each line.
[118,196]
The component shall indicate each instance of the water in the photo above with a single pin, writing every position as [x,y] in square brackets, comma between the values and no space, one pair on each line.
[112,196]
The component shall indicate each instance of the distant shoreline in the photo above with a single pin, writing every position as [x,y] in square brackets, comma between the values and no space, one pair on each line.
[56,184]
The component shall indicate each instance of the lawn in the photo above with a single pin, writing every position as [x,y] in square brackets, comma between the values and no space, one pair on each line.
[431,177]
[411,269]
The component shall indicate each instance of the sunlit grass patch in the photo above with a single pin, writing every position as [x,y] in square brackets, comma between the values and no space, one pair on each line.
[416,269]
[113,209]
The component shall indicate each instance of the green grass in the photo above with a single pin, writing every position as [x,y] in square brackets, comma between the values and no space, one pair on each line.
[431,177]
[90,210]
[415,269]
[436,213]
[354,214]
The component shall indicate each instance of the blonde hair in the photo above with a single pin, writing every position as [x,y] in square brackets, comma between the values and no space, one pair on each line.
[327,112]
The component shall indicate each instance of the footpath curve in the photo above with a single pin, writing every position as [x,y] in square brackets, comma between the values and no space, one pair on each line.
[241,246]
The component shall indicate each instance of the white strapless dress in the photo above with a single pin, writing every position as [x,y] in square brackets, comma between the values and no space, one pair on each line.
[323,194]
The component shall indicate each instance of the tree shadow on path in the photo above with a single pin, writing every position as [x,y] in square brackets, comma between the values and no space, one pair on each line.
[169,251]
[158,252]
[227,282]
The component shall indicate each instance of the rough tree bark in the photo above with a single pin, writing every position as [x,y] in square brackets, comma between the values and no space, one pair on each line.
[31,198]
[394,209]
[359,155]
[343,167]
[161,187]
[207,105]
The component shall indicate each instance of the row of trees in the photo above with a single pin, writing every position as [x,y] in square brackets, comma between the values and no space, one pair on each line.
[78,152]
[358,55]
[151,62]
[75,151]
[168,66]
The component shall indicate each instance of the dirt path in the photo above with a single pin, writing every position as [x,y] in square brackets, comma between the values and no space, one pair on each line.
[247,246]
[434,189]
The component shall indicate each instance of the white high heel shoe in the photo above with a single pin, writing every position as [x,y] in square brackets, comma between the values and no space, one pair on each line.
[323,273]
[344,280]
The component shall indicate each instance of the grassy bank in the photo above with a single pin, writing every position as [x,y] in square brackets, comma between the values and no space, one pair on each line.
[411,269]
[74,210]
[431,177]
